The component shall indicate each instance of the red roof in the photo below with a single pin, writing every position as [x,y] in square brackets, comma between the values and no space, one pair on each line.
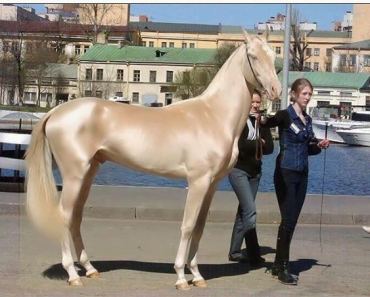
[57,28]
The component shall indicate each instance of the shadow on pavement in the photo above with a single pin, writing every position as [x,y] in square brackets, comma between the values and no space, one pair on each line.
[209,271]
[296,267]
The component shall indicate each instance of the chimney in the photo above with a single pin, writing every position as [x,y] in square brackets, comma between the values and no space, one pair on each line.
[119,45]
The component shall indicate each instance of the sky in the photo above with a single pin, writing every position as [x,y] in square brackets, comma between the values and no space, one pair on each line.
[246,15]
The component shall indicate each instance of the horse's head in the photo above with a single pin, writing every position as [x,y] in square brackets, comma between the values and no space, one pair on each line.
[261,61]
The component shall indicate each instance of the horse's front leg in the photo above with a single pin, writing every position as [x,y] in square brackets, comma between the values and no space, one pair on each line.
[198,189]
[198,280]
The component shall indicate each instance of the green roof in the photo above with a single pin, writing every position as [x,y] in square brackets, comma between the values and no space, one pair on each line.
[140,54]
[364,44]
[331,80]
[61,70]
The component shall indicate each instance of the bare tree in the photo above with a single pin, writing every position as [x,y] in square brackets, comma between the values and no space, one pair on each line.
[94,14]
[298,50]
[192,83]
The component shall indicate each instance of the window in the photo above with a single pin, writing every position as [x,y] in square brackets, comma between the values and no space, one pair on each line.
[45,97]
[307,65]
[88,93]
[192,45]
[136,75]
[342,60]
[323,103]
[143,43]
[153,76]
[151,43]
[346,108]
[77,50]
[316,66]
[29,96]
[352,60]
[329,52]
[164,44]
[168,98]
[135,97]
[276,105]
[278,50]
[316,52]
[346,94]
[323,93]
[184,45]
[119,94]
[5,46]
[88,74]
[367,103]
[15,46]
[169,76]
[328,67]
[99,94]
[120,74]
[366,60]
[86,48]
[172,44]
[309,51]
[99,74]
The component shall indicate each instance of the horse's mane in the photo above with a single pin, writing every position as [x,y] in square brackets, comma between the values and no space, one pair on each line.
[220,76]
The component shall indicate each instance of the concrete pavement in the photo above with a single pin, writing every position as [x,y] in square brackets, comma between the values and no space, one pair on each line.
[135,258]
[141,203]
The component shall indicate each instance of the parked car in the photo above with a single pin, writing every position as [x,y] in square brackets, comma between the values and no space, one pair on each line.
[119,99]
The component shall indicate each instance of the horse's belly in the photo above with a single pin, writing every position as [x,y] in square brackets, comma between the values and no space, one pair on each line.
[157,162]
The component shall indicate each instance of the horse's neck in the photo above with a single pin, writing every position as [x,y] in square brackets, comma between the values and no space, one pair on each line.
[229,95]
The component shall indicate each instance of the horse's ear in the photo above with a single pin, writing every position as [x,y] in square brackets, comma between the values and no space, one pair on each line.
[266,33]
[246,36]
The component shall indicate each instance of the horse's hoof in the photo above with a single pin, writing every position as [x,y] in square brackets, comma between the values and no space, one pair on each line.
[94,274]
[76,282]
[200,283]
[183,286]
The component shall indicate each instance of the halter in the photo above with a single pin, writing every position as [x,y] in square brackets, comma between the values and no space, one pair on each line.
[255,76]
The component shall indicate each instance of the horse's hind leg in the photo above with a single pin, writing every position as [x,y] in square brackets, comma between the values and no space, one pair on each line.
[73,181]
[75,227]
[196,194]
[198,280]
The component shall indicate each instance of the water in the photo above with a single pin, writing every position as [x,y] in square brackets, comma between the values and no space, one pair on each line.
[347,172]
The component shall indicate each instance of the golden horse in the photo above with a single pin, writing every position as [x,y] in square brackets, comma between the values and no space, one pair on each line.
[194,139]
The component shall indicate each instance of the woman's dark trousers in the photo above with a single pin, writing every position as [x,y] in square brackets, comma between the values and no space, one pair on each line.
[291,188]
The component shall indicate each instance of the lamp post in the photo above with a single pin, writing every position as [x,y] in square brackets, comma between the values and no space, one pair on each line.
[284,97]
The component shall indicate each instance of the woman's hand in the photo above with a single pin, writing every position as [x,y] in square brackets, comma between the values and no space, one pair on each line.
[323,144]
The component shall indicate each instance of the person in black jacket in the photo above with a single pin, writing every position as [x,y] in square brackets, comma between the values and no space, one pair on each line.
[297,141]
[244,179]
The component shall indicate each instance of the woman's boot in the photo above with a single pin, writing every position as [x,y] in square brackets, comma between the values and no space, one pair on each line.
[281,266]
[253,248]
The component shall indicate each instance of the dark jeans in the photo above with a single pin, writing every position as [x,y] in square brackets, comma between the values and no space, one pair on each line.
[291,188]
[245,189]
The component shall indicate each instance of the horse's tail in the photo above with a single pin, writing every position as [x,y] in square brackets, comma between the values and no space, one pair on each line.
[42,195]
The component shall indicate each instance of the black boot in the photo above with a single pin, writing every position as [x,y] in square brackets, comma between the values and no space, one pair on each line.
[253,248]
[280,267]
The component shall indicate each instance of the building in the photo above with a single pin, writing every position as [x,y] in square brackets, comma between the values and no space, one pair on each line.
[108,14]
[350,91]
[278,23]
[143,75]
[10,12]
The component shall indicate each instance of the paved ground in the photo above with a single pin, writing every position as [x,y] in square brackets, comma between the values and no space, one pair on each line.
[168,204]
[135,258]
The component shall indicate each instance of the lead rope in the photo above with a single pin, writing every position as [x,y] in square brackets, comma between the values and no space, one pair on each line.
[258,154]
[323,184]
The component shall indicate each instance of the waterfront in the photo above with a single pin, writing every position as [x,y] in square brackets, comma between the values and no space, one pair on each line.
[347,172]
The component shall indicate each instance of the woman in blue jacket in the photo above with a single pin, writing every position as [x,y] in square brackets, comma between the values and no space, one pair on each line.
[297,141]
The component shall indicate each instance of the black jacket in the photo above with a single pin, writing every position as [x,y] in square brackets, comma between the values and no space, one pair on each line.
[247,151]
